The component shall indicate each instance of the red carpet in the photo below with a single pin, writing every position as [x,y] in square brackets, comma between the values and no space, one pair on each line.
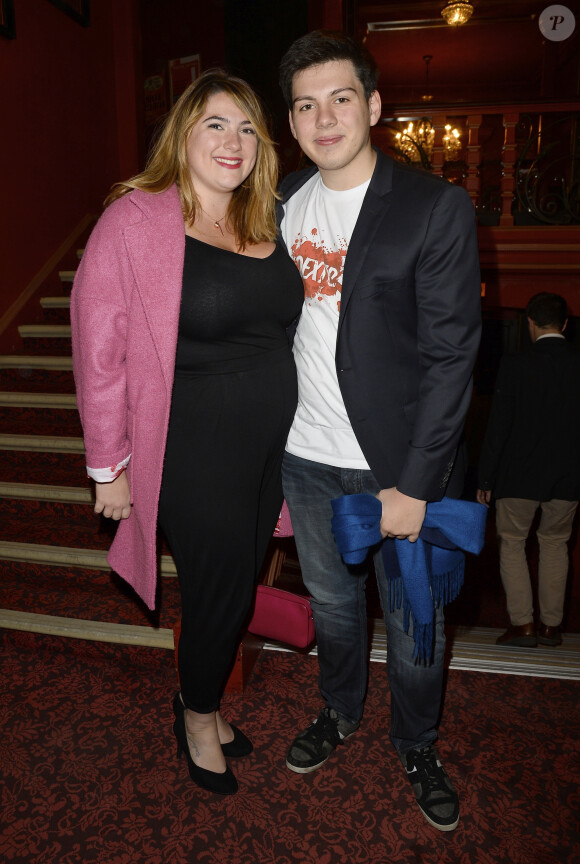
[90,774]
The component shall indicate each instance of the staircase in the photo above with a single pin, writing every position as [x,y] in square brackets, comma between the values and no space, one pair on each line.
[55,578]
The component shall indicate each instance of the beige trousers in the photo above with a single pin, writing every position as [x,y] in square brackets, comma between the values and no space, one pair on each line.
[514,517]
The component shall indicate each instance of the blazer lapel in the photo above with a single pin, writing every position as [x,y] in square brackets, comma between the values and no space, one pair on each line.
[156,248]
[376,203]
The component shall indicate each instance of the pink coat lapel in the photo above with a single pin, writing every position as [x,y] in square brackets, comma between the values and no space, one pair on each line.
[156,249]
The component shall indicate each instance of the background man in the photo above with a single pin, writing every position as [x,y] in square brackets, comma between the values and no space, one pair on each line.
[384,350]
[531,458]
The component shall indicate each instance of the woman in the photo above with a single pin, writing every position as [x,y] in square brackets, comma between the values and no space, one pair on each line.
[186,384]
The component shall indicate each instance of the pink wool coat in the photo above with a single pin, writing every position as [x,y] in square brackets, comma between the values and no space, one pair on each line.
[125,315]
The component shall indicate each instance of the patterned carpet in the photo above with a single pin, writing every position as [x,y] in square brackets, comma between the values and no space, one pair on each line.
[90,772]
[86,748]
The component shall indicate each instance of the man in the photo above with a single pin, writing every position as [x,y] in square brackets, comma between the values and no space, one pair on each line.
[384,350]
[530,458]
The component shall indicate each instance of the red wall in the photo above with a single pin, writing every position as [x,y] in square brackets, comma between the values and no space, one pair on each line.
[175,29]
[185,27]
[60,147]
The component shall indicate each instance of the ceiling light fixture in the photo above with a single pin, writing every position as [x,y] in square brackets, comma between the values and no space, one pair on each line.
[415,143]
[457,12]
[427,96]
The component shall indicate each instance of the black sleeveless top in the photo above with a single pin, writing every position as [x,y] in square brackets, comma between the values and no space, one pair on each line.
[234,308]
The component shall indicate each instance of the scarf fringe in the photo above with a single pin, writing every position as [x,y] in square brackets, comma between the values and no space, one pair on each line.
[445,587]
[423,637]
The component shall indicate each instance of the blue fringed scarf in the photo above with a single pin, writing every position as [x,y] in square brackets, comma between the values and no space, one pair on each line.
[419,574]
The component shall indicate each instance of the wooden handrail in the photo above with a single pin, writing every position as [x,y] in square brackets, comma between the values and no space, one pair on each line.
[511,179]
[10,314]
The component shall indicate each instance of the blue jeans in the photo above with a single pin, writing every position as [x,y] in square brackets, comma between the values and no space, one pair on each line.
[338,595]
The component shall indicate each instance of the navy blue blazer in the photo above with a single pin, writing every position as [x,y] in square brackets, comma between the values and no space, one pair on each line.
[531,445]
[409,325]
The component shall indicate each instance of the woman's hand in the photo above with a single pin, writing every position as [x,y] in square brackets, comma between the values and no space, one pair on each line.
[402,516]
[113,499]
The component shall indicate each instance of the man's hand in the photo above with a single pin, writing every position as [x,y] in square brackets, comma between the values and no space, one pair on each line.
[402,516]
[483,496]
[113,499]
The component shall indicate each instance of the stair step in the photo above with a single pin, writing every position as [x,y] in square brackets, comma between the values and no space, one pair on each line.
[37,380]
[92,559]
[69,556]
[55,302]
[38,492]
[78,628]
[36,373]
[45,331]
[47,338]
[48,468]
[56,309]
[28,361]
[67,276]
[41,443]
[100,595]
[54,345]
[53,521]
[16,420]
[63,401]
[475,649]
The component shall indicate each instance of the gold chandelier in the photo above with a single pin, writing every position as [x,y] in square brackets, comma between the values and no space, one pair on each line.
[457,12]
[451,143]
[416,142]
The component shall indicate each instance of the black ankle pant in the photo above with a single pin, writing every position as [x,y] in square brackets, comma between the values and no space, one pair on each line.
[220,499]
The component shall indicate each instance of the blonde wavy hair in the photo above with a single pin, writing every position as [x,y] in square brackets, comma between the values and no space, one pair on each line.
[252,210]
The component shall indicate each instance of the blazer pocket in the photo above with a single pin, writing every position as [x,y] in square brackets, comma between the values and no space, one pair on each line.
[381,287]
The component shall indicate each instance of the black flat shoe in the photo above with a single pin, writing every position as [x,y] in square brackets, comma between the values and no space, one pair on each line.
[222,784]
[239,746]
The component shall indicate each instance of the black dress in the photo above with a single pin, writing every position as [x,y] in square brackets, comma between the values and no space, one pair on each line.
[234,398]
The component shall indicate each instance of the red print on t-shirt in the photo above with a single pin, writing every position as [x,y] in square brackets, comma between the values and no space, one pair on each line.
[321,268]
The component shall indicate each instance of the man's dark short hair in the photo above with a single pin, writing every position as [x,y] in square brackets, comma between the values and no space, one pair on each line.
[322,46]
[547,310]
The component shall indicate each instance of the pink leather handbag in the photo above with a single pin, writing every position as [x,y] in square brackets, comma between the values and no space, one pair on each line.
[283,617]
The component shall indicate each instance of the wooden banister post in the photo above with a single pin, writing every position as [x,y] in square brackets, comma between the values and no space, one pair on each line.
[473,181]
[438,122]
[510,121]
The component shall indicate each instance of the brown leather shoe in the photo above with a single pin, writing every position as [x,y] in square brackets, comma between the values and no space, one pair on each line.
[549,635]
[519,637]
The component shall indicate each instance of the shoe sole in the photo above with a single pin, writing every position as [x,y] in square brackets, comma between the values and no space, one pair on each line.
[551,642]
[310,768]
[439,827]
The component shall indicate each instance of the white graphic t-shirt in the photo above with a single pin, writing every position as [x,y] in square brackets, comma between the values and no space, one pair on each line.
[317,227]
